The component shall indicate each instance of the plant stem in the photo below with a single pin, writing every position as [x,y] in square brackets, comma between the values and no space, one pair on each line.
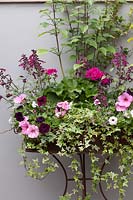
[68,17]
[57,39]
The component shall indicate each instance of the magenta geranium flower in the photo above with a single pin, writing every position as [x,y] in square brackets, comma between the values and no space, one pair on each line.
[105,81]
[20,98]
[94,74]
[51,71]
[41,101]
[32,131]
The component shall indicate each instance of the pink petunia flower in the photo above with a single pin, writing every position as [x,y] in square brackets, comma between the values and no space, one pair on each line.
[125,99]
[32,131]
[20,98]
[97,102]
[120,107]
[24,125]
[60,113]
[94,74]
[64,105]
[62,108]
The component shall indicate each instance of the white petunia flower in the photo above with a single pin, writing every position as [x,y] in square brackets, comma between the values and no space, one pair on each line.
[126,114]
[131,112]
[112,120]
[34,104]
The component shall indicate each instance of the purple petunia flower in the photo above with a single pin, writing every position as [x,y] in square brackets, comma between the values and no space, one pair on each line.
[40,119]
[19,116]
[44,128]
[41,101]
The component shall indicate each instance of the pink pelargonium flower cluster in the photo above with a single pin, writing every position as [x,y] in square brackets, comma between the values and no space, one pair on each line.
[51,71]
[62,108]
[124,101]
[19,99]
[105,81]
[29,129]
[94,74]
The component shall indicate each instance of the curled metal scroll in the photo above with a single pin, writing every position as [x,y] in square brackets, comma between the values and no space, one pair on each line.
[65,173]
[82,158]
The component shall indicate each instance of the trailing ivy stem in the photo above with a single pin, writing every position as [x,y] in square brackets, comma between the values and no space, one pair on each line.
[57,40]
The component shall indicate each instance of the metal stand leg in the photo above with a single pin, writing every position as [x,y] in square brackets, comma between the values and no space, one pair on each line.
[82,157]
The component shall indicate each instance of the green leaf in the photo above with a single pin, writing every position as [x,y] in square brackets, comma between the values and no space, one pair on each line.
[44,24]
[43,33]
[42,51]
[84,28]
[76,66]
[103,50]
[74,40]
[107,35]
[92,43]
[73,57]
[64,33]
[111,49]
[90,56]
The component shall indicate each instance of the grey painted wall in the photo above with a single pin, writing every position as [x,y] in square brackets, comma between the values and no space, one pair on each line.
[19,27]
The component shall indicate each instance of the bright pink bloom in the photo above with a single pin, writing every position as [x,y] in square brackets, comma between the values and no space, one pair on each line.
[65,105]
[51,71]
[94,74]
[120,107]
[105,81]
[20,98]
[32,131]
[125,99]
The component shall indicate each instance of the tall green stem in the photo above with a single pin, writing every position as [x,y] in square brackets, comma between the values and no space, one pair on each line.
[57,39]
